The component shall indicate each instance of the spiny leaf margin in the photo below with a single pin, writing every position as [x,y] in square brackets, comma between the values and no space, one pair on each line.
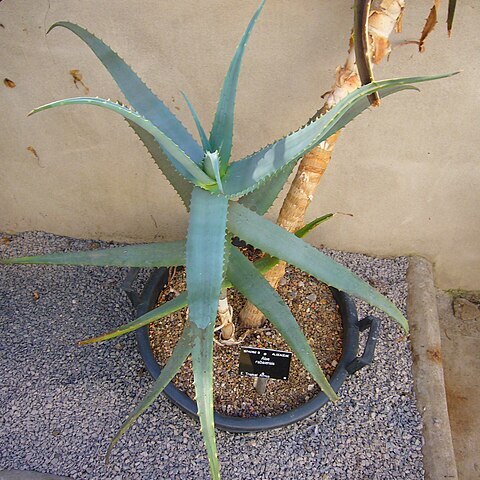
[205,250]
[221,134]
[181,301]
[253,286]
[255,169]
[147,255]
[279,243]
[137,93]
[184,163]
[202,365]
[179,355]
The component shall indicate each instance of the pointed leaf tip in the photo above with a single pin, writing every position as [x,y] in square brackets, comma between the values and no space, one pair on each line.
[245,277]
[277,242]
[51,27]
[179,355]
[61,23]
[137,93]
[201,131]
[151,316]
[248,174]
[450,15]
[202,358]
[221,134]
[183,163]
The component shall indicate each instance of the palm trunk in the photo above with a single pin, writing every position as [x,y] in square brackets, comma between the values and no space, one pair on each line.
[385,16]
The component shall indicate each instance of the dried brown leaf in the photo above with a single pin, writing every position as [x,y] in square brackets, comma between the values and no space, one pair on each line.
[78,79]
[429,25]
[9,83]
[34,152]
[399,22]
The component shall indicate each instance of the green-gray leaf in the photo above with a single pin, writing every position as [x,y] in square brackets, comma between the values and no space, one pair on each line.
[181,301]
[249,173]
[179,355]
[202,363]
[211,165]
[148,255]
[248,281]
[184,164]
[163,310]
[205,255]
[222,130]
[262,198]
[182,186]
[279,243]
[137,93]
[267,262]
[201,132]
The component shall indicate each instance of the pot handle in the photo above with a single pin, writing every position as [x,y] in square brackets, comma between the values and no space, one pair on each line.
[373,324]
[126,286]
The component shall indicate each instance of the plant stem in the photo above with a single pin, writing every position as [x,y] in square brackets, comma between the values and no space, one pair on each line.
[225,315]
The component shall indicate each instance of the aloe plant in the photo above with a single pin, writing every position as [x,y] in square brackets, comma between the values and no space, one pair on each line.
[224,199]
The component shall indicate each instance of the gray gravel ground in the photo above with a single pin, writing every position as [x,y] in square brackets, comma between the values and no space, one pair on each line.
[60,404]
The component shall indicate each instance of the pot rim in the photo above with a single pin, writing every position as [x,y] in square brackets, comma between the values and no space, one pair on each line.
[148,299]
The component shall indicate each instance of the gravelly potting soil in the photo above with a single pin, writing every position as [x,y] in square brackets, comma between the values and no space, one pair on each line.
[60,404]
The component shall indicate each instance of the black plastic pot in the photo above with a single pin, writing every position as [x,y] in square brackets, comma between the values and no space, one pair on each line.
[348,364]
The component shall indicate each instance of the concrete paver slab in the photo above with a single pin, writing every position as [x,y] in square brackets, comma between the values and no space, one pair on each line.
[460,345]
[439,457]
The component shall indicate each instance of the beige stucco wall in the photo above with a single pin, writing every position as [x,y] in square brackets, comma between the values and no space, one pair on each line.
[408,172]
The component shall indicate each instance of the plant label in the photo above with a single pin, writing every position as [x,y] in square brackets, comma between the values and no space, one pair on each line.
[264,363]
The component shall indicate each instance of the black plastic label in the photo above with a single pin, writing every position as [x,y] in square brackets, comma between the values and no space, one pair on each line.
[262,362]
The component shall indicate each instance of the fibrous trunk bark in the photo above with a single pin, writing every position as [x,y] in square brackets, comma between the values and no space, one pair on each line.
[385,16]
